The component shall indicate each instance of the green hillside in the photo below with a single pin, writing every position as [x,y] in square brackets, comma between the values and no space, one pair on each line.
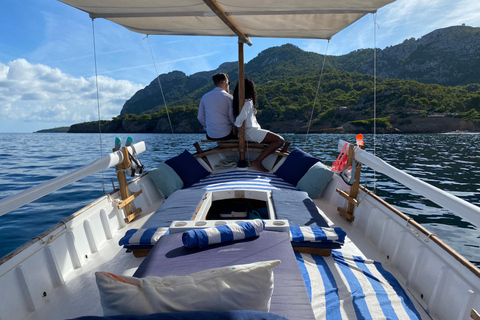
[287,79]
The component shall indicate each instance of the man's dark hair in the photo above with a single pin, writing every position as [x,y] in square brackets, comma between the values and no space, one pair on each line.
[219,78]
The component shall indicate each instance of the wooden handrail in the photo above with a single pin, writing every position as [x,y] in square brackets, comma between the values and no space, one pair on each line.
[458,206]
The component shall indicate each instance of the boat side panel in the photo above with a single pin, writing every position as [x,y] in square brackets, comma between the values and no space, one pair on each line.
[438,281]
[443,286]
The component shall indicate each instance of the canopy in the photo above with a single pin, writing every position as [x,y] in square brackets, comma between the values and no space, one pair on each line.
[309,19]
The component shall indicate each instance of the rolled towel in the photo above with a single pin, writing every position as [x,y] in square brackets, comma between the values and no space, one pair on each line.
[142,237]
[317,234]
[225,233]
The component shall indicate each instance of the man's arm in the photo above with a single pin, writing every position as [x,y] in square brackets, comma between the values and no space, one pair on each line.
[201,115]
[230,112]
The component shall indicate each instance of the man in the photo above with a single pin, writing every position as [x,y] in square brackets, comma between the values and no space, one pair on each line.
[215,111]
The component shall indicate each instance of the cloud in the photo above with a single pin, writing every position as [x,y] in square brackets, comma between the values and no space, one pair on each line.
[39,93]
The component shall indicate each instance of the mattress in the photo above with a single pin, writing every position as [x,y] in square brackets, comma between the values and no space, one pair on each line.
[289,298]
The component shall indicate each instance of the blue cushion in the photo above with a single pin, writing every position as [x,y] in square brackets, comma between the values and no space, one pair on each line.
[165,179]
[295,166]
[315,180]
[188,168]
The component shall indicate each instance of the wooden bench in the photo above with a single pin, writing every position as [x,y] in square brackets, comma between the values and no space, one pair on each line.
[233,145]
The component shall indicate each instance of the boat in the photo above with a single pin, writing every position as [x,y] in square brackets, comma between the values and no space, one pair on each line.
[201,235]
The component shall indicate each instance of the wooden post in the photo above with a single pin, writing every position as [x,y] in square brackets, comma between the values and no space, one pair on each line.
[122,179]
[354,189]
[242,163]
[200,151]
[123,187]
[284,149]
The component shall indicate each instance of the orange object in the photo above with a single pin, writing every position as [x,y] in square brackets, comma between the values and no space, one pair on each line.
[359,139]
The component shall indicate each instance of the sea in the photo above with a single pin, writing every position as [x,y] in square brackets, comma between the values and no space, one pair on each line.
[448,161]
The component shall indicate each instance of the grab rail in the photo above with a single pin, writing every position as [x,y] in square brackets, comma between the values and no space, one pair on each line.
[32,194]
[459,207]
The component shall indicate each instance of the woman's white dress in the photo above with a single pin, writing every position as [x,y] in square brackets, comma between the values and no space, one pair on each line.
[253,131]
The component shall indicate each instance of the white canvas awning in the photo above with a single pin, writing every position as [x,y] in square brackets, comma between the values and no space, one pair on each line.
[308,19]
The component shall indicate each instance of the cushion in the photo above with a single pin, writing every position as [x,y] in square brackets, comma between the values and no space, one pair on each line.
[221,234]
[289,298]
[238,287]
[197,315]
[297,207]
[315,180]
[165,179]
[181,205]
[295,166]
[141,238]
[188,168]
[317,234]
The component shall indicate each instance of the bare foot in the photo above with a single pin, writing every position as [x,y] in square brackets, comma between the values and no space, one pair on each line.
[259,166]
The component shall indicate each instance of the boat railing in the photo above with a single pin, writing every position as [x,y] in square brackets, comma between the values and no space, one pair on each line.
[25,197]
[458,206]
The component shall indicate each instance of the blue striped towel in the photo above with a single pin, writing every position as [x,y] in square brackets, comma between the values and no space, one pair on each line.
[317,234]
[142,238]
[220,234]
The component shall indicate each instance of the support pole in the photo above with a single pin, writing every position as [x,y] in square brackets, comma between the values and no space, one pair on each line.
[242,163]
[122,180]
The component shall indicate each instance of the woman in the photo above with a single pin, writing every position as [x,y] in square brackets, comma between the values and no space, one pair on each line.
[253,131]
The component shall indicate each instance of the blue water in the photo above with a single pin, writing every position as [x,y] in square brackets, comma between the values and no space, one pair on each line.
[450,162]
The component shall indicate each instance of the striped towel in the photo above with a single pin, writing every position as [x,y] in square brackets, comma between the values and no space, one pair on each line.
[142,238]
[317,234]
[226,233]
[344,286]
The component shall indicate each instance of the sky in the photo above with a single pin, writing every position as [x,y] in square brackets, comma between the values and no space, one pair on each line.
[47,65]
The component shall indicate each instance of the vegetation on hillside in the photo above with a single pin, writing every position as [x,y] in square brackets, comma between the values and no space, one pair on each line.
[287,79]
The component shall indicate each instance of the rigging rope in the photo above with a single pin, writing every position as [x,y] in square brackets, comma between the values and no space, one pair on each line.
[98,100]
[316,95]
[161,90]
[375,25]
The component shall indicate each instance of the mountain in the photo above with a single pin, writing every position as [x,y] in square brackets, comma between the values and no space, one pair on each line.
[425,85]
[449,57]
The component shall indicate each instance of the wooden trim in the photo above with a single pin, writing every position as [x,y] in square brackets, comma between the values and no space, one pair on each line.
[122,180]
[139,253]
[241,101]
[129,199]
[345,214]
[221,141]
[236,145]
[218,10]
[216,151]
[199,150]
[316,251]
[347,197]
[132,216]
[474,315]
[470,266]
[284,149]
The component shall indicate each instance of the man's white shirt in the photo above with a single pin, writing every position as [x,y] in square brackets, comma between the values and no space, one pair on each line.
[215,113]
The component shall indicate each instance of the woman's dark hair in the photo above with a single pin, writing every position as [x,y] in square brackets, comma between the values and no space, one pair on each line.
[250,94]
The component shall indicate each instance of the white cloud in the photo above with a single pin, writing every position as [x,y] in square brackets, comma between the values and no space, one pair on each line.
[39,93]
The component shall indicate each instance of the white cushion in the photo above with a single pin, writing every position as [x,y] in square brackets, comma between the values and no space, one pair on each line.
[239,287]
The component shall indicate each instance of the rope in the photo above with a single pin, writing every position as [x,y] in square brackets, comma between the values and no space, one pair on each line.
[375,25]
[316,95]
[98,100]
[161,90]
